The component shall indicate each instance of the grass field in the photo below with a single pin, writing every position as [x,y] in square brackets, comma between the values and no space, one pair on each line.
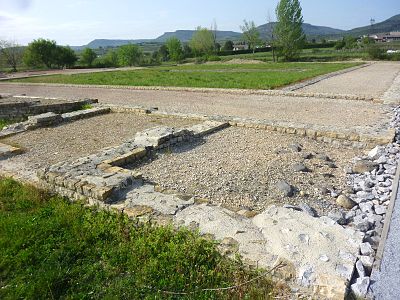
[240,76]
[309,55]
[52,249]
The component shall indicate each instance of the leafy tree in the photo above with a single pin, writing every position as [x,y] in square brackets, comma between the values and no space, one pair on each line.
[228,46]
[350,42]
[88,56]
[40,52]
[290,37]
[187,51]
[340,44]
[64,57]
[251,35]
[130,55]
[202,42]
[12,53]
[174,47]
[163,53]
[110,59]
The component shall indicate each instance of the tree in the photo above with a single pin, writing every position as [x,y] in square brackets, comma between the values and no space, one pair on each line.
[289,33]
[130,55]
[187,51]
[88,57]
[174,47]
[64,57]
[40,52]
[202,42]
[228,46]
[271,29]
[12,53]
[110,59]
[251,35]
[163,53]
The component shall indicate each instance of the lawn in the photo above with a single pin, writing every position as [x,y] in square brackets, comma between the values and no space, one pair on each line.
[239,76]
[52,249]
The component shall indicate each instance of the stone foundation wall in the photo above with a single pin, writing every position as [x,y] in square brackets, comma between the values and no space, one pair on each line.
[337,139]
[23,109]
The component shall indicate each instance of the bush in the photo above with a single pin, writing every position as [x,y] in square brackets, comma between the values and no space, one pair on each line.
[394,57]
[375,52]
[213,58]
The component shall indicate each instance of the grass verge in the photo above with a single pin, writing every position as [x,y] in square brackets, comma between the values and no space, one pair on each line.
[240,76]
[52,249]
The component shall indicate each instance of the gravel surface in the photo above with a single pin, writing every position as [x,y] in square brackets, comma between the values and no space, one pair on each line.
[46,146]
[340,115]
[373,80]
[239,168]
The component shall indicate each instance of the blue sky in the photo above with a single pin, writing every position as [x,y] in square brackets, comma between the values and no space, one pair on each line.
[77,22]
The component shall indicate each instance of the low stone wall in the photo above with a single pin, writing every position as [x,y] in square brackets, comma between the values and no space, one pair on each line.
[337,139]
[275,236]
[22,107]
[50,119]
[99,177]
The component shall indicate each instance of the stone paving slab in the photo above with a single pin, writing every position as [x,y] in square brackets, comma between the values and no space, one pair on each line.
[7,150]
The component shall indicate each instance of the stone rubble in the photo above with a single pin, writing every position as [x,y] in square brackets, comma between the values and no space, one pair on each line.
[371,179]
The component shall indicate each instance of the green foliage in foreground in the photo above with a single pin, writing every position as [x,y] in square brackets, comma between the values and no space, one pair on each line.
[246,76]
[3,123]
[52,249]
[6,122]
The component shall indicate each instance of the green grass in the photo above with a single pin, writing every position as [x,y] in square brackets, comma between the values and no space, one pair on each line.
[6,122]
[241,76]
[86,106]
[52,249]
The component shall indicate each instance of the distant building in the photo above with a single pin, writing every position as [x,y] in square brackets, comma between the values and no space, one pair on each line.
[240,46]
[386,37]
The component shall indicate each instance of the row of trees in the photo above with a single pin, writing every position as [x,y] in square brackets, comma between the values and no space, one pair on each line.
[287,39]
[287,36]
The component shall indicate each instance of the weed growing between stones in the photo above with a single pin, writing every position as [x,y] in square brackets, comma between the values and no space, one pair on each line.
[56,249]
[86,106]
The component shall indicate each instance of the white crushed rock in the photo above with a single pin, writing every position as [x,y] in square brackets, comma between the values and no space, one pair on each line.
[240,167]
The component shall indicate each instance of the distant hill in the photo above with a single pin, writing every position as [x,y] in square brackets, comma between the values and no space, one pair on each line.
[392,24]
[186,35]
[312,31]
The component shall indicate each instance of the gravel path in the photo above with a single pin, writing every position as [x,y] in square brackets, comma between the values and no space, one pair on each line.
[340,115]
[239,167]
[373,80]
[48,146]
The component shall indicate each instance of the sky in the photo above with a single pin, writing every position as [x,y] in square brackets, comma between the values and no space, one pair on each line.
[77,22]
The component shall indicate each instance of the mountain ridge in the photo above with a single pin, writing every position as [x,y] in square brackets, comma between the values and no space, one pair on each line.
[312,31]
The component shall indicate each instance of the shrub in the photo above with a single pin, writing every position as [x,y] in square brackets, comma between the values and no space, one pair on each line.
[375,52]
[213,58]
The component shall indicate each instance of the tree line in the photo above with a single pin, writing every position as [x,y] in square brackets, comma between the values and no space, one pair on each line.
[287,40]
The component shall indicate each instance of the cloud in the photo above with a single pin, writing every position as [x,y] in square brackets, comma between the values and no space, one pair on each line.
[15,5]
